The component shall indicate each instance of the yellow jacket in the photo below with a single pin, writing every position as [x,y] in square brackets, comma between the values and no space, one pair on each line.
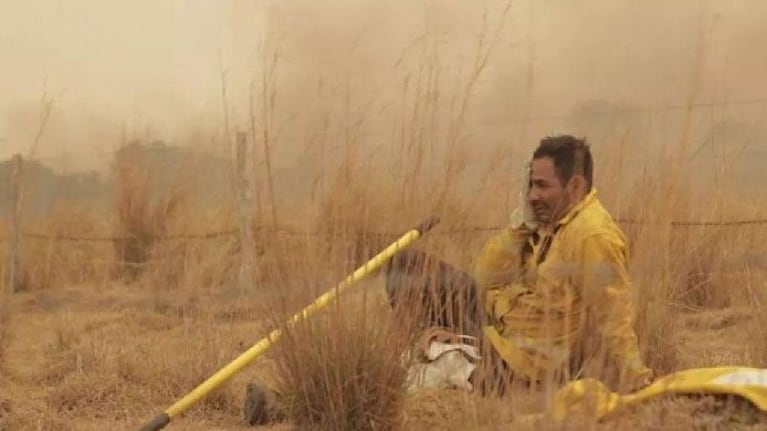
[555,300]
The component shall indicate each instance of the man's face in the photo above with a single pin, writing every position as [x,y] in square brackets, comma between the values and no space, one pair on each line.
[549,199]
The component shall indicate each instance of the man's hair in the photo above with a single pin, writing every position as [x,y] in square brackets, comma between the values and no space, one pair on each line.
[571,156]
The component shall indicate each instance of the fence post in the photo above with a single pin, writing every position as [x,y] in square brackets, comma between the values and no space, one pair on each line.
[15,246]
[246,208]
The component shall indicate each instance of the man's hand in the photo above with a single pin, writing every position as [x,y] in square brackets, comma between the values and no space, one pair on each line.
[523,215]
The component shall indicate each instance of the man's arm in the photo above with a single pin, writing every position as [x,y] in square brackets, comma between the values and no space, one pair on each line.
[607,293]
[498,265]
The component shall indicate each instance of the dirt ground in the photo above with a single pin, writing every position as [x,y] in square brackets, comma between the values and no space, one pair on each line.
[110,358]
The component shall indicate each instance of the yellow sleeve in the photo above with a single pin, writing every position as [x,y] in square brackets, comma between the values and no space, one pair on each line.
[607,292]
[498,265]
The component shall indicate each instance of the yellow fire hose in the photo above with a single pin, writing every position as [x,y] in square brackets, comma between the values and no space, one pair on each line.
[163,419]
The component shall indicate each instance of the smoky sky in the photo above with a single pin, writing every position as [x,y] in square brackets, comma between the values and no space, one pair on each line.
[148,68]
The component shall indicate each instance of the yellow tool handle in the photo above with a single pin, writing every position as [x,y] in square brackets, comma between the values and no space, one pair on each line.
[161,420]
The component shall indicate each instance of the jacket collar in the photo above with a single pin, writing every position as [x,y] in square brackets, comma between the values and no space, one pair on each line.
[590,198]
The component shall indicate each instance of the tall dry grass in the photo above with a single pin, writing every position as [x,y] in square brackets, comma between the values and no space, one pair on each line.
[143,209]
[71,249]
[342,370]
[5,317]
[5,306]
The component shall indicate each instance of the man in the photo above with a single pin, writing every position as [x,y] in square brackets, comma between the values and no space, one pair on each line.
[555,285]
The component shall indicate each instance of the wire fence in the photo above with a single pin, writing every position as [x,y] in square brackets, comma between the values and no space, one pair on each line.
[192,236]
[330,234]
[233,233]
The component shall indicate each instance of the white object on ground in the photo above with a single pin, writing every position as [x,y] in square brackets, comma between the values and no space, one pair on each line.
[448,366]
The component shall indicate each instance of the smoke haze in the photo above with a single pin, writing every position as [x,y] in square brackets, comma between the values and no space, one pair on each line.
[154,69]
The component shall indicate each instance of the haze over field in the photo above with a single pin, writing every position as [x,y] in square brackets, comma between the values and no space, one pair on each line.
[138,256]
[146,68]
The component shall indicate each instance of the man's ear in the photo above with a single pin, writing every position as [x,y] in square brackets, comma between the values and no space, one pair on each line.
[577,185]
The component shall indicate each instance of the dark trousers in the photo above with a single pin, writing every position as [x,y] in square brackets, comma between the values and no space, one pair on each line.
[427,292]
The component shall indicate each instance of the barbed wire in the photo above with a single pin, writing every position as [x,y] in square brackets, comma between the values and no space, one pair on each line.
[700,223]
[354,235]
[643,162]
[59,237]
[500,120]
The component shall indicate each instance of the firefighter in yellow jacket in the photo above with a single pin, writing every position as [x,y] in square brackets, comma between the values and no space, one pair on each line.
[557,295]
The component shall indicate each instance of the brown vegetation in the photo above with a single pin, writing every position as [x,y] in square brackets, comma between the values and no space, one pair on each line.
[109,332]
[96,353]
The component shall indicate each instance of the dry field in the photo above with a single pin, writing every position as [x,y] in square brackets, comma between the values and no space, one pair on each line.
[134,305]
[95,344]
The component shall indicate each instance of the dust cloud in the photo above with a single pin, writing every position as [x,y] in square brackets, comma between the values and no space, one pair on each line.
[154,70]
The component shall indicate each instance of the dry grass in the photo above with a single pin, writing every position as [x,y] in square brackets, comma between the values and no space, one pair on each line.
[5,322]
[342,370]
[112,358]
[143,207]
[85,349]
[108,355]
[50,263]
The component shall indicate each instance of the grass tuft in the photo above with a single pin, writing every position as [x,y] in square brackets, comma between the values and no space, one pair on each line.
[342,370]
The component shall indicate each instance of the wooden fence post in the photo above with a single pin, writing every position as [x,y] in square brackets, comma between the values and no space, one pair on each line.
[15,246]
[246,208]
